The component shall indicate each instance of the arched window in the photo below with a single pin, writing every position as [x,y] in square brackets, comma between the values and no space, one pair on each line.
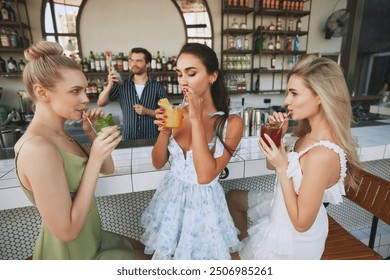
[60,21]
[197,20]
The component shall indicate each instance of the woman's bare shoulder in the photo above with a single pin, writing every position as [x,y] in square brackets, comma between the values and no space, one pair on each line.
[33,144]
[235,120]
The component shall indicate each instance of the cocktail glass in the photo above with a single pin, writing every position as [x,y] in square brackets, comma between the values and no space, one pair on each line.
[174,117]
[273,131]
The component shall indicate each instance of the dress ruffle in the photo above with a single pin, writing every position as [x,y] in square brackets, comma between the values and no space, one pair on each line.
[333,194]
[267,241]
[186,221]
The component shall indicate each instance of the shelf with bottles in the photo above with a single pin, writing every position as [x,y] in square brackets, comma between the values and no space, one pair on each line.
[128,73]
[15,31]
[236,7]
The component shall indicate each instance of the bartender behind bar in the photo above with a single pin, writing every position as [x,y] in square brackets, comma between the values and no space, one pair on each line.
[138,96]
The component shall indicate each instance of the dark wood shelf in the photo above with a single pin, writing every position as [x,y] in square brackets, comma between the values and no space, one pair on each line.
[234,51]
[237,10]
[281,13]
[14,24]
[12,50]
[235,31]
[281,33]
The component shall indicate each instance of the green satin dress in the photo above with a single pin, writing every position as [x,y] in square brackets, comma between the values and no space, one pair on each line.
[92,242]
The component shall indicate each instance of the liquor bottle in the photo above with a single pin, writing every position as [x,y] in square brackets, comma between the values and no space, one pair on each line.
[257,83]
[97,63]
[169,85]
[12,65]
[288,45]
[234,24]
[231,42]
[92,65]
[238,42]
[169,64]
[279,24]
[246,43]
[5,16]
[164,62]
[258,44]
[243,24]
[153,63]
[11,13]
[298,25]
[271,26]
[301,4]
[296,43]
[102,60]
[4,38]
[21,66]
[108,55]
[94,89]
[158,61]
[290,24]
[271,45]
[3,68]
[99,85]
[86,66]
[273,62]
[278,45]
[88,89]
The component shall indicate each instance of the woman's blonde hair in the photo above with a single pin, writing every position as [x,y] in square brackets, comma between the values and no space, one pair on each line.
[45,61]
[326,79]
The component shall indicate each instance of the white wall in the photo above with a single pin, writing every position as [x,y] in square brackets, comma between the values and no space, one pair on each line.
[120,25]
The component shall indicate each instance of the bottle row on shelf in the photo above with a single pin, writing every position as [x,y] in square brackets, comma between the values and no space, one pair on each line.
[275,43]
[94,88]
[237,3]
[7,13]
[265,42]
[238,62]
[11,66]
[102,62]
[10,38]
[288,5]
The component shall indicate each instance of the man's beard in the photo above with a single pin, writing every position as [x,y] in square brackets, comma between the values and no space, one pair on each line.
[139,71]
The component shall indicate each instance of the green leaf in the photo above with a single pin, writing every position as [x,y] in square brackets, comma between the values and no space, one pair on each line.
[104,122]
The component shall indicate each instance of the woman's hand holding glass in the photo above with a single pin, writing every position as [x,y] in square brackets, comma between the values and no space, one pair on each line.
[105,143]
[160,122]
[277,157]
[89,117]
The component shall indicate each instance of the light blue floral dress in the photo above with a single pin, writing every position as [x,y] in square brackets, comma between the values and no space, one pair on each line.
[186,220]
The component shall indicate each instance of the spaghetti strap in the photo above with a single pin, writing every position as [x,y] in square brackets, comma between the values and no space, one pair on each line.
[17,153]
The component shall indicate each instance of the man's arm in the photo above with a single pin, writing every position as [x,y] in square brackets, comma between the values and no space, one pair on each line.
[103,96]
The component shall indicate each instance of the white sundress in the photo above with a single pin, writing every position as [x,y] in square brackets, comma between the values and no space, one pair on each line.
[273,236]
[186,220]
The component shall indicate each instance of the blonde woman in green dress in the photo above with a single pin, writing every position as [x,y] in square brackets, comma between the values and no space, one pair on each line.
[59,175]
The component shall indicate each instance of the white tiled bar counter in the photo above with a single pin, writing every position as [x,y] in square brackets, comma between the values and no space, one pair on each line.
[135,172]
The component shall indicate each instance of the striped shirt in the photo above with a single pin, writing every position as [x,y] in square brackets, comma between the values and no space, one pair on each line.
[136,126]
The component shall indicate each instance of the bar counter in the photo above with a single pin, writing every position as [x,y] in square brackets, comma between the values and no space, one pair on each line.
[134,171]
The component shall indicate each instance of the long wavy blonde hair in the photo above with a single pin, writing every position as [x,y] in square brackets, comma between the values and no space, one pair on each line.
[45,62]
[326,79]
